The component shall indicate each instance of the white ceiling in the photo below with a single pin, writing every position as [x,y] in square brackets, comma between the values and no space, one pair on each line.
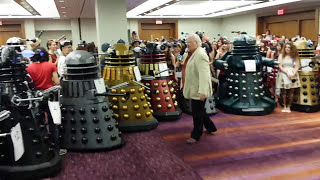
[66,9]
[11,9]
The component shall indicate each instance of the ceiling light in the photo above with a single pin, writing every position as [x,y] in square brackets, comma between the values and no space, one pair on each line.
[62,7]
[61,1]
[63,12]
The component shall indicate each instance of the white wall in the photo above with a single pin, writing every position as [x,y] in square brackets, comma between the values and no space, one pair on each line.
[52,24]
[244,23]
[211,27]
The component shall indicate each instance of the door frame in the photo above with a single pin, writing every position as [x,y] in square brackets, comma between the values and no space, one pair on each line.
[175,33]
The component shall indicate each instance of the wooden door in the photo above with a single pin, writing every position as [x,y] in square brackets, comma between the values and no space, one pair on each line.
[10,30]
[307,29]
[304,23]
[150,31]
[288,28]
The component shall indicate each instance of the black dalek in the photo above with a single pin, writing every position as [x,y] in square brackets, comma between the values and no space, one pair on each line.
[38,157]
[244,93]
[88,122]
[155,75]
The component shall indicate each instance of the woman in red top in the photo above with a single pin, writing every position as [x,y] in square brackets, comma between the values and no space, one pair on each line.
[52,47]
[44,75]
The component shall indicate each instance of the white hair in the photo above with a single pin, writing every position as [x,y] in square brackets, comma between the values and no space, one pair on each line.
[196,38]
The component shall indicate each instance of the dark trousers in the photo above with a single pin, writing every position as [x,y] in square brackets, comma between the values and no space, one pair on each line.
[53,132]
[200,119]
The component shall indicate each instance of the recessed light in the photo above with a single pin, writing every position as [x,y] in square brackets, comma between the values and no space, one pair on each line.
[63,12]
[63,7]
[61,1]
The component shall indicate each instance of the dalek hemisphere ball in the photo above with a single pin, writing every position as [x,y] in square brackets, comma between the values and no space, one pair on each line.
[155,75]
[135,113]
[244,89]
[88,122]
[26,151]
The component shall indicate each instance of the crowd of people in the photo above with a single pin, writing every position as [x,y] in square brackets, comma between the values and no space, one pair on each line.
[190,60]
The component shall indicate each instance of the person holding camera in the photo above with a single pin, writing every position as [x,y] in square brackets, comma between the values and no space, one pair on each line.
[197,86]
[288,78]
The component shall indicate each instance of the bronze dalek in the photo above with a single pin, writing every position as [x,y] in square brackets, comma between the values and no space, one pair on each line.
[133,114]
[306,98]
[154,69]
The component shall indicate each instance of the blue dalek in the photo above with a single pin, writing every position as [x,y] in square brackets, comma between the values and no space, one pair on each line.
[26,151]
[243,92]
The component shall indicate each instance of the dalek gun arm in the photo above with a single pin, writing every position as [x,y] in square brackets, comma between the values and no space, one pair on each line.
[311,65]
[221,64]
[159,72]
[270,62]
[48,91]
[108,90]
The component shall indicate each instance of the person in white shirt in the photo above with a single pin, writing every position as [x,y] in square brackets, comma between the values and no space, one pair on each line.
[66,48]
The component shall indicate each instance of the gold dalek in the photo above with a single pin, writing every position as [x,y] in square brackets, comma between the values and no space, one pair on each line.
[135,113]
[306,98]
[155,75]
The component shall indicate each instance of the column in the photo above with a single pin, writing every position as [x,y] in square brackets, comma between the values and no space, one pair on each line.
[75,33]
[111,21]
[29,30]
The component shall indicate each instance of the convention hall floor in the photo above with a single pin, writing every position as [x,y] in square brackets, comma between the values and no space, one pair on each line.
[276,146]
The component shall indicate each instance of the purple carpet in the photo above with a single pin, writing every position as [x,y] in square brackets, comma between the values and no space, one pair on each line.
[145,156]
[276,146]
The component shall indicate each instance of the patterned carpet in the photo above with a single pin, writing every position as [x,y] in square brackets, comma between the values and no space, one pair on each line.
[145,156]
[276,146]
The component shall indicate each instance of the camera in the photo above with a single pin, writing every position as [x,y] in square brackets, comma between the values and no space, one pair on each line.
[164,45]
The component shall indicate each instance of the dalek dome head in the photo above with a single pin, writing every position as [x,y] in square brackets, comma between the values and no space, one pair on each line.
[244,39]
[15,41]
[81,65]
[152,48]
[80,57]
[302,43]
